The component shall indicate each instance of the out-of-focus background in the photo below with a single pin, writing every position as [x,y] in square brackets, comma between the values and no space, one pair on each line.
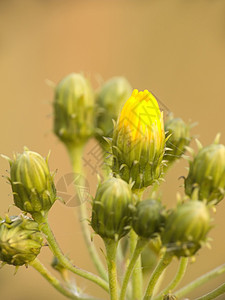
[174,48]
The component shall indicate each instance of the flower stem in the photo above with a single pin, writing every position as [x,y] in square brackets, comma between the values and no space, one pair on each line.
[213,294]
[177,279]
[141,243]
[137,279]
[76,154]
[42,220]
[200,280]
[111,247]
[163,263]
[137,272]
[37,265]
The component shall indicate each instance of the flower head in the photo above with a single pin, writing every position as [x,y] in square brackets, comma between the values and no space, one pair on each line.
[139,140]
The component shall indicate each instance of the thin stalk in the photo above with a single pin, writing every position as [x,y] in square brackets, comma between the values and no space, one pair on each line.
[37,265]
[214,294]
[111,247]
[76,154]
[137,277]
[200,281]
[177,279]
[42,220]
[139,247]
[163,263]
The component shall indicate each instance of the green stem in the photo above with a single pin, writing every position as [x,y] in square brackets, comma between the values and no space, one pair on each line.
[141,243]
[42,220]
[200,280]
[137,285]
[177,279]
[37,265]
[163,263]
[76,154]
[137,277]
[111,247]
[213,294]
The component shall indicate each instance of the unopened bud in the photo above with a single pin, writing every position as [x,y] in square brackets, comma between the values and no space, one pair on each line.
[207,174]
[110,99]
[112,209]
[74,110]
[179,137]
[20,240]
[186,228]
[149,218]
[32,183]
[139,140]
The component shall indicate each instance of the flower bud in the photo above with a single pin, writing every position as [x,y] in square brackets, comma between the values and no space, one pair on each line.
[20,240]
[207,174]
[73,110]
[148,218]
[32,183]
[186,228]
[179,133]
[110,100]
[112,209]
[139,141]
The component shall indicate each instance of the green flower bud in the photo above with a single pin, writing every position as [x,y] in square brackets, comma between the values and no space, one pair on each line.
[138,142]
[20,240]
[32,183]
[179,133]
[149,218]
[112,209]
[110,99]
[74,110]
[186,228]
[207,174]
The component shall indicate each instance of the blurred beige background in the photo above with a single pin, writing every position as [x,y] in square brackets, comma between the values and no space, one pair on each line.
[175,48]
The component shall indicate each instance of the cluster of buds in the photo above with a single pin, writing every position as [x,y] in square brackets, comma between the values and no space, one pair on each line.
[206,177]
[20,240]
[33,192]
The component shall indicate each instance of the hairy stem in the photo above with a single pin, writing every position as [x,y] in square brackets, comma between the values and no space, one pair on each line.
[213,294]
[37,265]
[141,243]
[177,279]
[163,263]
[111,248]
[200,280]
[42,220]
[76,154]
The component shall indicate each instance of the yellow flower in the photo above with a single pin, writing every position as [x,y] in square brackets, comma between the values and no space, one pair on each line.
[139,140]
